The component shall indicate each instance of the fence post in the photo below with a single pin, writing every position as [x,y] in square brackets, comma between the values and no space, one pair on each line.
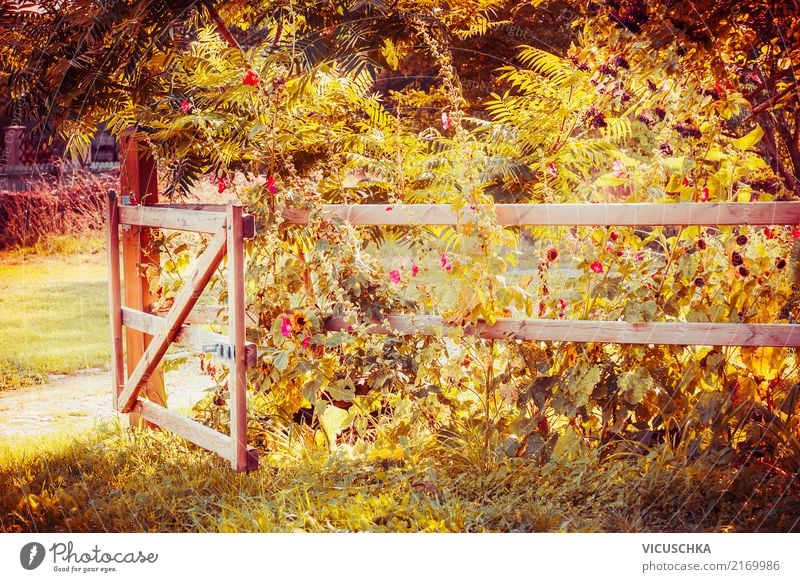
[114,297]
[237,377]
[138,180]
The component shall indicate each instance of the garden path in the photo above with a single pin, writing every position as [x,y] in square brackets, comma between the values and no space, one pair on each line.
[77,402]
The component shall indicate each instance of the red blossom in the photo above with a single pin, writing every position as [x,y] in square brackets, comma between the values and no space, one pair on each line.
[704,195]
[389,208]
[796,232]
[306,342]
[186,107]
[286,327]
[221,185]
[445,121]
[394,276]
[271,186]
[251,79]
[448,266]
[614,236]
[552,254]
[443,260]
[596,266]
[414,269]
[769,232]
[562,304]
[552,170]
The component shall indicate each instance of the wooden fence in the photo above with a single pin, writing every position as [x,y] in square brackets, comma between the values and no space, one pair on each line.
[229,226]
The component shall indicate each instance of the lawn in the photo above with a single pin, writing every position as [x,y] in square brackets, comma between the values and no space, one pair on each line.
[54,311]
[115,480]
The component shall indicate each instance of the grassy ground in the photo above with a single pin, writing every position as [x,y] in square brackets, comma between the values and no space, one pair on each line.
[119,481]
[54,313]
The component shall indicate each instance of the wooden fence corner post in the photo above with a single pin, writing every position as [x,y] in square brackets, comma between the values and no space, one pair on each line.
[138,181]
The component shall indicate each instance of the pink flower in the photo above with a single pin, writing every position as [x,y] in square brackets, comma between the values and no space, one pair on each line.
[414,269]
[552,170]
[251,79]
[394,276]
[271,186]
[445,121]
[562,304]
[444,259]
[448,266]
[619,169]
[639,256]
[306,341]
[221,185]
[186,107]
[286,327]
[597,267]
[704,195]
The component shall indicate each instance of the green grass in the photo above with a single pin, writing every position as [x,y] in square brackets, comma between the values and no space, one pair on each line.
[116,481]
[54,313]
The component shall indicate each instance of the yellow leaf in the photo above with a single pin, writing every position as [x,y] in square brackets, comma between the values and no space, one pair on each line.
[674,185]
[749,140]
[609,179]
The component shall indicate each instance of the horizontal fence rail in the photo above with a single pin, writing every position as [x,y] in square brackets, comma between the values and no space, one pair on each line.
[616,332]
[636,214]
[209,219]
[620,332]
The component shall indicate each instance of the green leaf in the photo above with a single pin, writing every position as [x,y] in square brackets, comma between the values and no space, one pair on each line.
[749,140]
[343,390]
[567,445]
[281,361]
[581,383]
[634,384]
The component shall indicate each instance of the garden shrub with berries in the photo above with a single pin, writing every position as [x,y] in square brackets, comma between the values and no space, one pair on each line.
[609,121]
[291,119]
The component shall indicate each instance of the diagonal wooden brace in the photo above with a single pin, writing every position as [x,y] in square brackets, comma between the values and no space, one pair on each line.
[184,302]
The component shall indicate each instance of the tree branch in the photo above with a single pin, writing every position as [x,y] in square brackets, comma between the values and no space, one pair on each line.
[790,181]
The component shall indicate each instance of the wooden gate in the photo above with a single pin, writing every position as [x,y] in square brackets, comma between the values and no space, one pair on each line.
[228,227]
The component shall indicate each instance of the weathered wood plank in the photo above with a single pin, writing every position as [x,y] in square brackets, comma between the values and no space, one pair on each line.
[619,332]
[192,337]
[615,214]
[172,218]
[184,302]
[248,220]
[192,431]
[237,375]
[114,297]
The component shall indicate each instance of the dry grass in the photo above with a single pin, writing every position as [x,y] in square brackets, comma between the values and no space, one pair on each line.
[116,481]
